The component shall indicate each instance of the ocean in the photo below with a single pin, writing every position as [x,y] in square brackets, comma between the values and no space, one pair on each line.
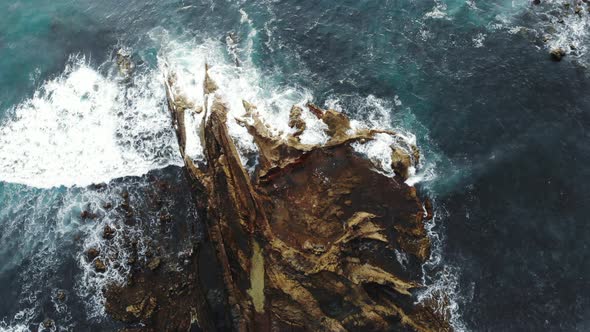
[500,125]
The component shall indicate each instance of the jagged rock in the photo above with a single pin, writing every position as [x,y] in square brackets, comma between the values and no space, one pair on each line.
[338,125]
[60,295]
[400,162]
[165,218]
[146,299]
[98,186]
[209,85]
[108,232]
[317,111]
[557,54]
[92,253]
[99,265]
[296,121]
[307,242]
[87,215]
[124,63]
[154,263]
[107,205]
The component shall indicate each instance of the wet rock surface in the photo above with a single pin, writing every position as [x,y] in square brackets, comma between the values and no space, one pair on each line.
[306,242]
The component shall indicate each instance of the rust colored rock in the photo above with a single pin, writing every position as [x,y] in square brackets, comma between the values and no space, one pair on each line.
[144,309]
[165,218]
[308,242]
[99,265]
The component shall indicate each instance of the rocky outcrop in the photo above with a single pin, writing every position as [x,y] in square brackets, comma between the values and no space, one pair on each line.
[557,54]
[309,240]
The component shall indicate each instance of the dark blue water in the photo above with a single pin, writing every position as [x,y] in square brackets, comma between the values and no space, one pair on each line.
[501,126]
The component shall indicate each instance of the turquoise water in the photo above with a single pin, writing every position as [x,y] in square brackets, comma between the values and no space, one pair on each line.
[501,126]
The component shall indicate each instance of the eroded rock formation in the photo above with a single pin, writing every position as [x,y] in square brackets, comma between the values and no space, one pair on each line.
[309,240]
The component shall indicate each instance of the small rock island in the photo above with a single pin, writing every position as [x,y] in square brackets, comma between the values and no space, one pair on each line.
[307,241]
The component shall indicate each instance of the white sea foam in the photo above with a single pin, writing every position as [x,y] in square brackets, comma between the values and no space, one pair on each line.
[82,128]
[439,11]
[478,41]
[235,85]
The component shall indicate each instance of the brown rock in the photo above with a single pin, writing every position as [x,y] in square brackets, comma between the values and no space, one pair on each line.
[48,323]
[400,162]
[92,253]
[338,125]
[165,218]
[108,232]
[143,310]
[286,243]
[296,121]
[60,295]
[154,263]
[124,63]
[209,85]
[557,54]
[87,215]
[99,266]
[317,111]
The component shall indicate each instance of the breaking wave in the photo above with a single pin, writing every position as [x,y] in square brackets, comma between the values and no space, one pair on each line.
[84,127]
